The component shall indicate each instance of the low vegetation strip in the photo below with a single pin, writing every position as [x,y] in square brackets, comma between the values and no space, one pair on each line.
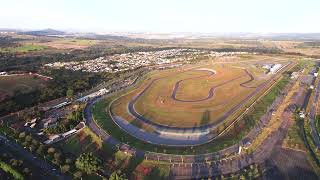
[317,123]
[310,142]
[274,123]
[313,154]
[23,48]
[8,169]
[294,139]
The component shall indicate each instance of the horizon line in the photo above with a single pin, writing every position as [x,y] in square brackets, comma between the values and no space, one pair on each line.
[77,30]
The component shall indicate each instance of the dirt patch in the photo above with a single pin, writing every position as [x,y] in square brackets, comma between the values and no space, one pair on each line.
[65,46]
[22,83]
[288,164]
[70,43]
[3,96]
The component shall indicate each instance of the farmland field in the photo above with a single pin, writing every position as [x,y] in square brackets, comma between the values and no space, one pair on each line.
[24,48]
[69,43]
[193,96]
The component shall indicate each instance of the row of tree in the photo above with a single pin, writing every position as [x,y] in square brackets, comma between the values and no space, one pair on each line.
[89,164]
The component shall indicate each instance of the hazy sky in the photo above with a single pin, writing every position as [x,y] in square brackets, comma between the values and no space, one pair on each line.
[163,15]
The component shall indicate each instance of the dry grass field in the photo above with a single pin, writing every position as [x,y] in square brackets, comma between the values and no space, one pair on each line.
[191,104]
[24,83]
[70,43]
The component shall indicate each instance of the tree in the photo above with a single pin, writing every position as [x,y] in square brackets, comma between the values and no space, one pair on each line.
[28,138]
[27,171]
[69,93]
[77,175]
[68,161]
[35,142]
[242,177]
[40,149]
[56,162]
[65,168]
[25,144]
[32,148]
[118,175]
[57,155]
[88,163]
[51,150]
[22,135]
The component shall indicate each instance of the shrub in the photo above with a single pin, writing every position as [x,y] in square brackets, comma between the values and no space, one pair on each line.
[51,150]
[7,168]
[88,163]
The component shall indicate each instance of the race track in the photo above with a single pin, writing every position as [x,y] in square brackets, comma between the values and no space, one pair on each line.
[135,114]
[211,91]
[189,138]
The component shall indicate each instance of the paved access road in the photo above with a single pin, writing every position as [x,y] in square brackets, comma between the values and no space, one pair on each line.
[101,133]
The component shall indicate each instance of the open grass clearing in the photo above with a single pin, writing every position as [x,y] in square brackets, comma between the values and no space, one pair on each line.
[24,48]
[22,83]
[70,43]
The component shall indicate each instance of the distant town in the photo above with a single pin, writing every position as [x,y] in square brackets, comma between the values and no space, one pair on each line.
[129,61]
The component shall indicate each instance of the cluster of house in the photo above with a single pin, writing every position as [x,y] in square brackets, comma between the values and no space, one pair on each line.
[62,102]
[3,73]
[220,54]
[123,62]
[54,111]
[58,137]
[101,92]
[294,75]
[41,124]
[272,68]
[52,121]
[127,61]
[301,114]
[7,32]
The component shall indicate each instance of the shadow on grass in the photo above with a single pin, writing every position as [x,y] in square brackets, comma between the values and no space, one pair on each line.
[133,163]
[137,123]
[108,150]
[205,117]
[155,174]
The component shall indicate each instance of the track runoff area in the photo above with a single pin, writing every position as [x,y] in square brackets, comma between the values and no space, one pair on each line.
[186,106]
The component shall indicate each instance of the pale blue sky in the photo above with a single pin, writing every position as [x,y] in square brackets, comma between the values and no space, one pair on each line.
[258,16]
